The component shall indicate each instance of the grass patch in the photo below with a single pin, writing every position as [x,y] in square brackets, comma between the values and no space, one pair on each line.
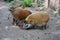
[40,5]
[27,3]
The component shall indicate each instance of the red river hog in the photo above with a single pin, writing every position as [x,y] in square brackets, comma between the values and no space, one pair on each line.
[36,19]
[19,14]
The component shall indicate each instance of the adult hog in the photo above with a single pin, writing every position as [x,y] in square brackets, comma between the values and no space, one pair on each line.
[19,14]
[36,19]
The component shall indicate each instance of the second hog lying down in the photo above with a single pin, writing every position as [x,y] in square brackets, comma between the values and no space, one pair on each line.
[36,19]
[19,14]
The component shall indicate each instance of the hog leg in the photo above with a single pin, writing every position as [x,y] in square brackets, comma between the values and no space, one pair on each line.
[14,22]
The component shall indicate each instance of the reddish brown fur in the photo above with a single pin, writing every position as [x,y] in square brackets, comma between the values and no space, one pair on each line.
[19,13]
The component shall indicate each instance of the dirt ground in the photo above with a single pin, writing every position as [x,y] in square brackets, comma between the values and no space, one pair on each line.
[11,32]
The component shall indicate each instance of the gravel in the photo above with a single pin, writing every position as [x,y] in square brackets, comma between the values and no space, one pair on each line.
[12,32]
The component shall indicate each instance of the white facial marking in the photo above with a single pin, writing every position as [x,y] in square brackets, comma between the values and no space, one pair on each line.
[26,25]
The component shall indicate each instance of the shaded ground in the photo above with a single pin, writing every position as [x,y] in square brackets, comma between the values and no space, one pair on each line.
[11,32]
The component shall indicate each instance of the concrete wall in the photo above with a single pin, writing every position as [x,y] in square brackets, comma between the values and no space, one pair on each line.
[53,4]
[46,3]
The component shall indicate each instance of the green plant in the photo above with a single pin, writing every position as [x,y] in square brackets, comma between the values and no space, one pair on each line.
[16,4]
[27,3]
[59,12]
[40,5]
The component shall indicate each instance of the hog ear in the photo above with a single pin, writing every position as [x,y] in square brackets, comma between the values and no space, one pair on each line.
[30,12]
